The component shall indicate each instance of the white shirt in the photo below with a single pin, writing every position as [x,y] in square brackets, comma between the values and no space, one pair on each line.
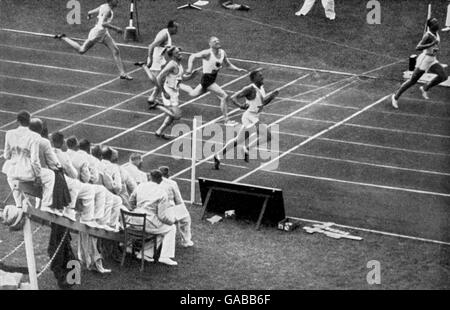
[66,163]
[172,190]
[256,103]
[105,15]
[112,171]
[151,199]
[47,156]
[137,175]
[173,79]
[92,166]
[81,164]
[432,51]
[22,154]
[212,64]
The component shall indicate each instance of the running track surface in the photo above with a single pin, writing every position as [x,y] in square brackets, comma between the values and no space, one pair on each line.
[345,155]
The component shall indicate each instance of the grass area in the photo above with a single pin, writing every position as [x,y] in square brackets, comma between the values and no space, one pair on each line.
[232,255]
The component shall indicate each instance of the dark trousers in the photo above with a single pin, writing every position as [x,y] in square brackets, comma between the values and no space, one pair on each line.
[64,255]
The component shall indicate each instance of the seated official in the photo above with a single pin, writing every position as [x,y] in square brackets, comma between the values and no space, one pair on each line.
[151,199]
[134,166]
[22,161]
[181,214]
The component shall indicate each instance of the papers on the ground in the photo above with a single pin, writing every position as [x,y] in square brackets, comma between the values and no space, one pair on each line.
[10,280]
[230,214]
[214,219]
[201,3]
[326,229]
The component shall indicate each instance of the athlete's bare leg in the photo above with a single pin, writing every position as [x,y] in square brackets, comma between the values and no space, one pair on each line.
[416,75]
[441,76]
[109,42]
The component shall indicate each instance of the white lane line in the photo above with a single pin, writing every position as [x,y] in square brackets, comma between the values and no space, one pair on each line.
[392,148]
[284,117]
[356,162]
[63,85]
[59,53]
[54,67]
[279,132]
[162,114]
[403,189]
[399,131]
[319,134]
[72,97]
[308,105]
[106,110]
[235,59]
[379,232]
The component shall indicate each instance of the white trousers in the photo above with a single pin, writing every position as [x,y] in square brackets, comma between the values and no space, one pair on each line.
[86,193]
[328,5]
[167,242]
[113,204]
[99,201]
[184,224]
[48,182]
[87,249]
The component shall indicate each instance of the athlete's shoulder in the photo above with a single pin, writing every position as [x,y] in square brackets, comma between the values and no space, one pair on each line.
[105,7]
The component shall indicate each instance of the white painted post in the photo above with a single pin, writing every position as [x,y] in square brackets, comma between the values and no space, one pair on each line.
[28,238]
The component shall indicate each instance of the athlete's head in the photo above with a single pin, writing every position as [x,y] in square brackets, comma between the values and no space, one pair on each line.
[172,26]
[214,42]
[433,24]
[256,76]
[113,3]
[174,53]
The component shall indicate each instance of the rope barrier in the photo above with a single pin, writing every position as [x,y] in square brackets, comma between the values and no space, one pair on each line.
[18,247]
[54,255]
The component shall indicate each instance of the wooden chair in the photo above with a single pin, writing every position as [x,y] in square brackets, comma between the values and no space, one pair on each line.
[134,232]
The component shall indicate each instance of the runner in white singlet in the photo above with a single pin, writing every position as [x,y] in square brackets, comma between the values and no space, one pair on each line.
[172,76]
[100,34]
[426,62]
[256,98]
[156,57]
[213,60]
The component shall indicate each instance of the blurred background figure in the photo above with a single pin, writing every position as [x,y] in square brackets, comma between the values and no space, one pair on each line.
[328,5]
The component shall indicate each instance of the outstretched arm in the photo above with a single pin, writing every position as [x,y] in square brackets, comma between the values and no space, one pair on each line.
[93,12]
[228,63]
[270,96]
[193,57]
